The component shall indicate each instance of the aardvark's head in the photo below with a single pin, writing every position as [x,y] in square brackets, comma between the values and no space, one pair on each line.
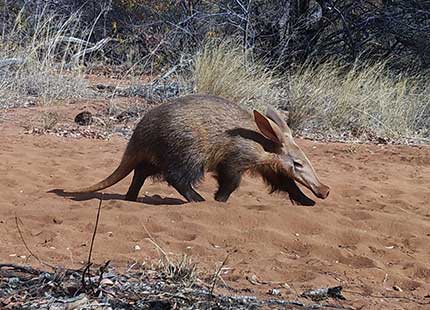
[291,158]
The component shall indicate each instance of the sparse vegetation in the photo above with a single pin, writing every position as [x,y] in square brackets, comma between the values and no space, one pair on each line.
[222,68]
[181,270]
[49,120]
[44,54]
[361,99]
[38,60]
[365,99]
[47,84]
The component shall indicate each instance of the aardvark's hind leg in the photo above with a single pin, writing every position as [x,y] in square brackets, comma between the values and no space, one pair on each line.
[141,172]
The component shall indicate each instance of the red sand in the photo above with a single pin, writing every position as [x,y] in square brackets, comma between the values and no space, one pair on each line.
[372,233]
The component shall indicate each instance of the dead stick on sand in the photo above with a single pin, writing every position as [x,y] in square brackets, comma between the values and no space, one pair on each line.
[88,265]
[152,240]
[17,221]
[217,274]
[25,269]
[388,297]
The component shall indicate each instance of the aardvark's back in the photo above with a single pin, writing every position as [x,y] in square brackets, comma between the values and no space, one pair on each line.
[198,122]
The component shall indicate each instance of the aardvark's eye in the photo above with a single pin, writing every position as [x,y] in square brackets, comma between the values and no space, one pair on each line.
[298,165]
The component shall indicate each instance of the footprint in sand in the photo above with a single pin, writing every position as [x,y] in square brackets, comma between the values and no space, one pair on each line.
[298,249]
[357,215]
[257,207]
[357,262]
[183,235]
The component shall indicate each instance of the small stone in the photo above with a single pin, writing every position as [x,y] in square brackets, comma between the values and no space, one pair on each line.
[274,291]
[110,234]
[77,302]
[397,288]
[137,247]
[381,140]
[84,118]
[125,115]
[57,221]
[106,282]
[57,306]
[71,287]
[13,281]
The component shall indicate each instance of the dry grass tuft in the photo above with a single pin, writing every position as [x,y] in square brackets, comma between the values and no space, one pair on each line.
[182,270]
[49,120]
[368,99]
[48,84]
[223,69]
[36,60]
[362,100]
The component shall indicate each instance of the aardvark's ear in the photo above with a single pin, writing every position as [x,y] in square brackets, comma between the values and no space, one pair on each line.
[276,117]
[268,128]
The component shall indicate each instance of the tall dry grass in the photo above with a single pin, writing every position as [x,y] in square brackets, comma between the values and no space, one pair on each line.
[365,99]
[222,68]
[36,59]
[362,99]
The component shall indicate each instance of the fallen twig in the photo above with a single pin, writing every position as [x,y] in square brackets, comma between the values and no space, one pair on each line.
[91,49]
[17,221]
[324,293]
[26,269]
[152,240]
[217,274]
[11,62]
[89,263]
[389,297]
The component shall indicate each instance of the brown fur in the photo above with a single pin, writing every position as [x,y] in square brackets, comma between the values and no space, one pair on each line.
[181,140]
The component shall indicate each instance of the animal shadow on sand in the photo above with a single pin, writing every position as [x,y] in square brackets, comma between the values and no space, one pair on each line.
[149,200]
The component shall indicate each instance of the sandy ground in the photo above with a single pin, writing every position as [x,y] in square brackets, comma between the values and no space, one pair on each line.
[372,233]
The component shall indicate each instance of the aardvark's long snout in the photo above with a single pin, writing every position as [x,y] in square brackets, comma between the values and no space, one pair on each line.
[306,175]
[321,191]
